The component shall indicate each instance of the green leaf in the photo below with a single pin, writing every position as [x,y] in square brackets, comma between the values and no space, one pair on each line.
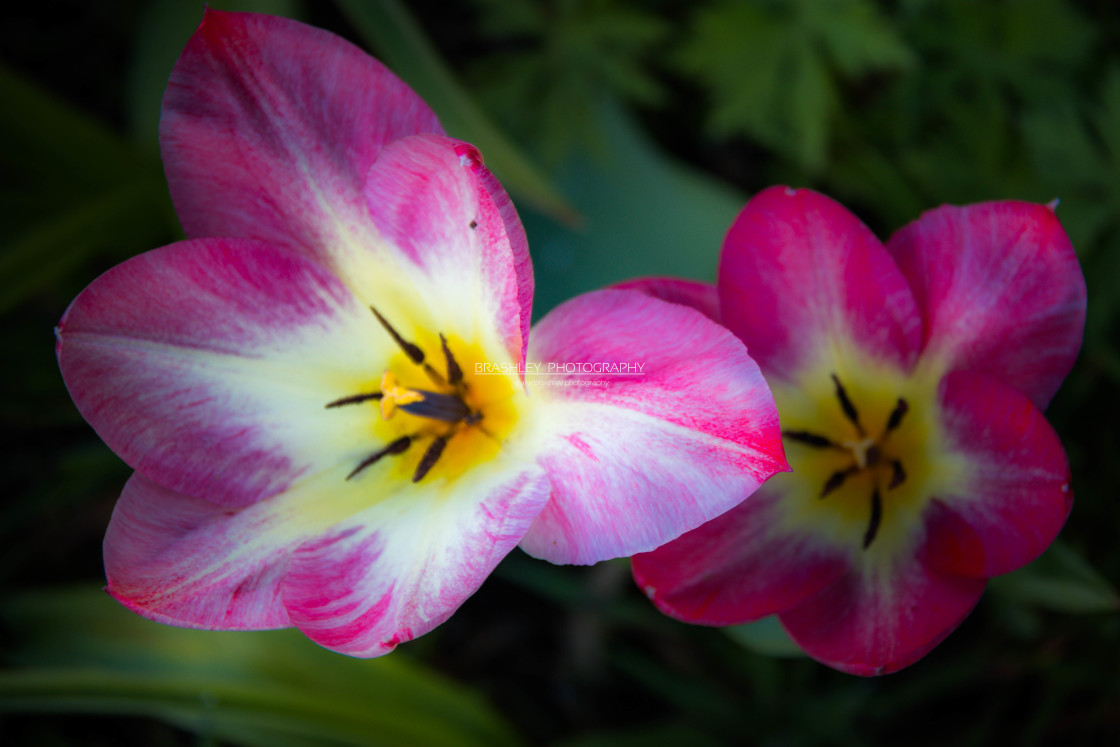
[134,213]
[767,67]
[645,214]
[766,636]
[557,58]
[859,39]
[1060,580]
[388,27]
[1028,47]
[82,652]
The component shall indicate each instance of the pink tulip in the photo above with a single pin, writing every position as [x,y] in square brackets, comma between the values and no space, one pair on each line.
[327,392]
[910,381]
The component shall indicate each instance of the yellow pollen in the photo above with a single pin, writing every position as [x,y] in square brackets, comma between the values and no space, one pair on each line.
[393,395]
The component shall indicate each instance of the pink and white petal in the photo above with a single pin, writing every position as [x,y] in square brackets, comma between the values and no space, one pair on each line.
[704,297]
[1000,291]
[1015,494]
[738,567]
[799,275]
[188,562]
[877,620]
[636,460]
[269,127]
[400,568]
[206,366]
[431,197]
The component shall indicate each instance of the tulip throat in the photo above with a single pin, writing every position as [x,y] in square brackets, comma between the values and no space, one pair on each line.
[436,422]
[863,455]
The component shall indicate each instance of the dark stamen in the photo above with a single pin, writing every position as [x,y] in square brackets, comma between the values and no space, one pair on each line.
[431,456]
[898,476]
[873,455]
[810,439]
[354,399]
[445,407]
[396,447]
[846,405]
[473,224]
[896,415]
[837,479]
[415,354]
[876,517]
[454,373]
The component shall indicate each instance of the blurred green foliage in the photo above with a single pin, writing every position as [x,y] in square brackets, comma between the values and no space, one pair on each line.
[629,133]
[84,652]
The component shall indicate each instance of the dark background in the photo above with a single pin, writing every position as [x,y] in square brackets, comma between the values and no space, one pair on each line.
[629,133]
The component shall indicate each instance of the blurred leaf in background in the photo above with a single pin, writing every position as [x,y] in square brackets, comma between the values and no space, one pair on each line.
[774,70]
[80,651]
[553,60]
[391,32]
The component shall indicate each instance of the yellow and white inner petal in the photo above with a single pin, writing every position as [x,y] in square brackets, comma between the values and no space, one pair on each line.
[208,365]
[831,490]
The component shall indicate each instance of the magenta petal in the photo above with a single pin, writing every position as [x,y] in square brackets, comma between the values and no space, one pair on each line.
[206,366]
[704,297]
[432,198]
[1017,494]
[635,460]
[799,272]
[738,567]
[400,568]
[1000,291]
[188,562]
[269,127]
[879,620]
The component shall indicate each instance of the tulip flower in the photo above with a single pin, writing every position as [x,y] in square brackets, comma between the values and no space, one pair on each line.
[910,380]
[327,392]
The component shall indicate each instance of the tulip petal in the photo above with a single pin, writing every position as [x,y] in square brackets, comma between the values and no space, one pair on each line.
[398,569]
[188,562]
[1015,495]
[206,365]
[740,566]
[635,460]
[432,198]
[878,620]
[704,297]
[1000,291]
[269,127]
[800,276]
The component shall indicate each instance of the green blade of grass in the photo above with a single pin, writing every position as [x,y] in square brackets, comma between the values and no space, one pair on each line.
[388,27]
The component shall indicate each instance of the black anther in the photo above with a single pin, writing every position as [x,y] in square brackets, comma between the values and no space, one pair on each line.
[810,439]
[431,456]
[454,373]
[396,447]
[846,404]
[415,354]
[896,414]
[876,518]
[354,399]
[898,474]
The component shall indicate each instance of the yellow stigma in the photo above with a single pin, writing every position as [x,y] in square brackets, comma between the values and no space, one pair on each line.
[393,395]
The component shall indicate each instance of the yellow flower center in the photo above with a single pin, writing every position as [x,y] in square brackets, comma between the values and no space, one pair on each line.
[867,453]
[439,414]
